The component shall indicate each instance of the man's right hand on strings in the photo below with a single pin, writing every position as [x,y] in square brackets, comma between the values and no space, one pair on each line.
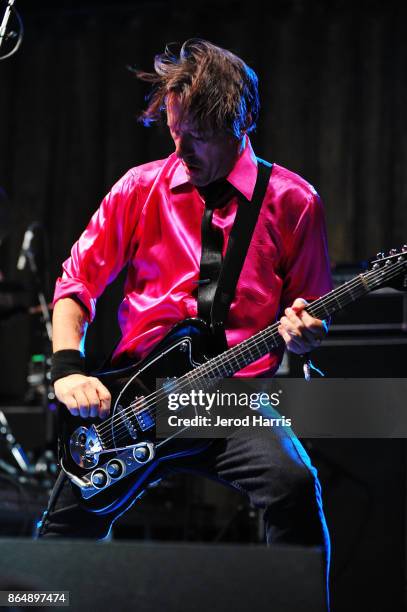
[84,396]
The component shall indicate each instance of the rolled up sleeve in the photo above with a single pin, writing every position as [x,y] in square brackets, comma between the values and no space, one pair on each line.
[104,247]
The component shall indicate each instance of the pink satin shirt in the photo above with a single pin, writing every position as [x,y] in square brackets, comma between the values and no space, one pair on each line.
[151,220]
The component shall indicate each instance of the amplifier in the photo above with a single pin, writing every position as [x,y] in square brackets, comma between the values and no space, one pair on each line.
[383,310]
[150,577]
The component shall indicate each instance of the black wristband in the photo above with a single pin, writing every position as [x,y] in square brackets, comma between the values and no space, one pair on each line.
[66,362]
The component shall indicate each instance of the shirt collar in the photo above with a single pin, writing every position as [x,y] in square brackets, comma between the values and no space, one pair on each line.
[242,176]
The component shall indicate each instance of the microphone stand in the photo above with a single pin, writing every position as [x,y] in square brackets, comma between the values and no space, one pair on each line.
[48,395]
[40,293]
[15,449]
[46,464]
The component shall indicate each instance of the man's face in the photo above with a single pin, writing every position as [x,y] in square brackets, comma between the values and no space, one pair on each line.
[206,157]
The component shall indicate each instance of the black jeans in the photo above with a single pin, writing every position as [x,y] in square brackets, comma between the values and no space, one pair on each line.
[272,469]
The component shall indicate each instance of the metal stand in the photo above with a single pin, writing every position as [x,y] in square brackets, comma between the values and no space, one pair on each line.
[15,449]
[48,397]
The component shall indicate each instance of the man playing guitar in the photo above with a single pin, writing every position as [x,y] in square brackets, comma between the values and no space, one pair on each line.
[151,221]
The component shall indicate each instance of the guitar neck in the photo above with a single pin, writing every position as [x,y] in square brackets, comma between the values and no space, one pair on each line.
[263,342]
[241,355]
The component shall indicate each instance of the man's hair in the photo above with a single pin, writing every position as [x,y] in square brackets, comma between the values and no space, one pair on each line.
[216,88]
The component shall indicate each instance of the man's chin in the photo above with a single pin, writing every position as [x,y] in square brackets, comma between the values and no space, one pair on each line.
[197,178]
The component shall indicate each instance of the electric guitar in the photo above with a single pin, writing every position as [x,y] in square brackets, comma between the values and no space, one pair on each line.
[114,460]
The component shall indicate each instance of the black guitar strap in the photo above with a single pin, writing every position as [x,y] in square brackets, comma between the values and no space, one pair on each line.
[217,279]
[216,196]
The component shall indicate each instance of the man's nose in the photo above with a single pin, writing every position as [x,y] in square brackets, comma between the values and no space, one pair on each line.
[182,147]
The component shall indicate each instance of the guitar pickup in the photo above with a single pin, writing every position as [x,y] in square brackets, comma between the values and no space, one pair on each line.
[144,419]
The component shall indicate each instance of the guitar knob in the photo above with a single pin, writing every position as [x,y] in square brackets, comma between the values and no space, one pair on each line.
[404,249]
[393,252]
[115,468]
[141,453]
[380,255]
[99,479]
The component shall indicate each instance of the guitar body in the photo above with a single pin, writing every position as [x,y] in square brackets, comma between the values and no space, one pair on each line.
[106,481]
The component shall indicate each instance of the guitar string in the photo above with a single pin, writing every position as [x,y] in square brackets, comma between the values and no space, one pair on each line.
[270,330]
[190,378]
[122,432]
[206,368]
[195,374]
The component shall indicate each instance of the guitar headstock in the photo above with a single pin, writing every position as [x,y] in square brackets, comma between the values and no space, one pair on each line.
[391,269]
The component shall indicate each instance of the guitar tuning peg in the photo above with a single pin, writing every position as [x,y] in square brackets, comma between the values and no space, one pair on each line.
[404,249]
[380,255]
[393,252]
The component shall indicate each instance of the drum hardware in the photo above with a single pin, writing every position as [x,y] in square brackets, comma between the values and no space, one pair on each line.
[15,462]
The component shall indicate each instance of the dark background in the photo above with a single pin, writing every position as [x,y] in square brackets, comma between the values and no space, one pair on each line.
[333,85]
[333,91]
